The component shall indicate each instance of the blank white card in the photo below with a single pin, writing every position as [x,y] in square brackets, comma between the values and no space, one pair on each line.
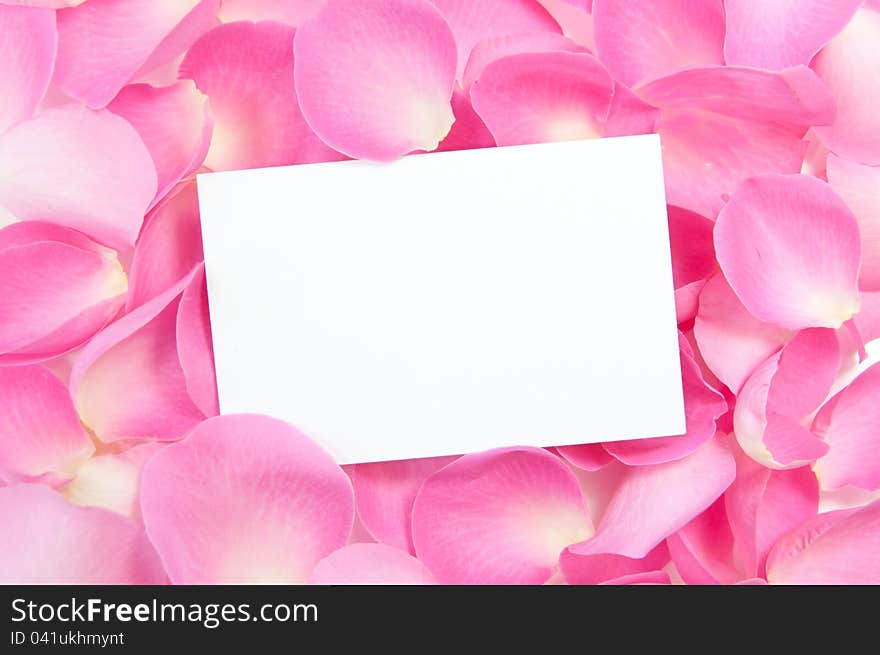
[449,302]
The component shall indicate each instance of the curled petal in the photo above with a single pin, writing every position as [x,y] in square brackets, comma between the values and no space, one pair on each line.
[370,564]
[834,548]
[376,98]
[245,499]
[608,568]
[174,124]
[588,456]
[500,517]
[789,247]
[105,195]
[848,65]
[28,41]
[703,549]
[194,349]
[57,289]
[40,432]
[385,492]
[47,540]
[245,70]
[127,383]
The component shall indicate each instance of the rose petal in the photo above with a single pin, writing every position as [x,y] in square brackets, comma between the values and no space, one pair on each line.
[576,22]
[46,540]
[57,289]
[468,131]
[292,12]
[40,432]
[498,517]
[385,492]
[693,256]
[194,348]
[776,34]
[789,247]
[703,549]
[28,41]
[174,124]
[370,564]
[104,195]
[245,70]
[597,569]
[638,40]
[376,98]
[244,499]
[588,456]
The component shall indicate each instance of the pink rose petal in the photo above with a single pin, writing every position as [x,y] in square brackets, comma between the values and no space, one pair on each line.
[128,382]
[292,12]
[498,517]
[575,21]
[104,195]
[693,258]
[376,97]
[245,499]
[28,41]
[848,65]
[789,247]
[385,492]
[46,540]
[703,549]
[588,456]
[733,342]
[835,548]
[597,569]
[194,349]
[370,564]
[245,69]
[776,34]
[40,432]
[468,131]
[643,40]
[174,124]
[57,289]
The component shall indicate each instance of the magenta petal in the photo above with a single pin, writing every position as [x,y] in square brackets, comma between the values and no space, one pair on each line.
[596,569]
[104,195]
[498,517]
[39,430]
[385,492]
[370,564]
[834,548]
[703,549]
[245,499]
[776,34]
[245,69]
[693,258]
[468,131]
[375,78]
[47,540]
[789,247]
[638,40]
[174,124]
[28,41]
[194,348]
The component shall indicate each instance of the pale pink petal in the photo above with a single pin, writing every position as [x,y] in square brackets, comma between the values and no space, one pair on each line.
[789,247]
[733,342]
[770,418]
[652,502]
[596,569]
[776,34]
[857,185]
[39,430]
[128,383]
[194,349]
[867,321]
[540,97]
[693,258]
[112,481]
[375,78]
[245,499]
[169,246]
[173,123]
[850,425]
[85,169]
[292,12]
[702,405]
[102,44]
[27,56]
[848,65]
[468,131]
[703,549]
[762,505]
[835,548]
[588,456]
[57,289]
[245,69]
[642,40]
[48,541]
[370,564]
[498,517]
[575,21]
[385,492]
[646,578]
[472,22]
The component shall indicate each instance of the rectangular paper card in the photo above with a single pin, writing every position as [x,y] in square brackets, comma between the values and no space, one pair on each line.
[450,302]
